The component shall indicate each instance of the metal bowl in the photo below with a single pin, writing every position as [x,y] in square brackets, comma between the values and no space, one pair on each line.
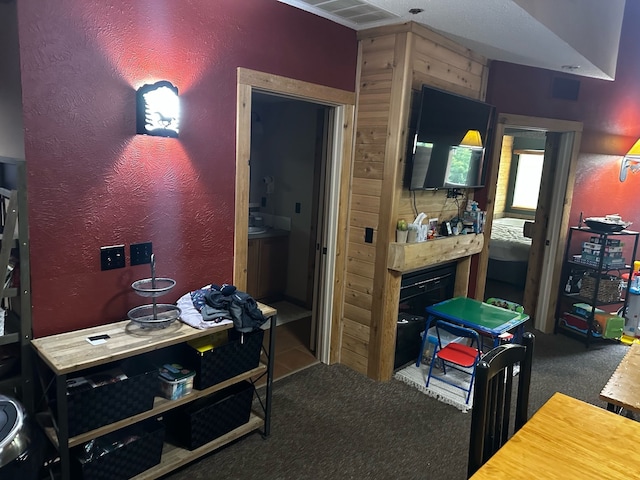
[154,316]
[604,226]
[149,287]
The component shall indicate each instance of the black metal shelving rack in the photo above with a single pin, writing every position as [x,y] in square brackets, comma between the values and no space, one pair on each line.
[601,268]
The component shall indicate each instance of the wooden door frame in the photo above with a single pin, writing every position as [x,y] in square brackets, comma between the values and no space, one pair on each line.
[550,125]
[344,106]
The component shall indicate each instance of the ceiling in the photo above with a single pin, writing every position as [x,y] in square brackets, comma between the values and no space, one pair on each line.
[574,36]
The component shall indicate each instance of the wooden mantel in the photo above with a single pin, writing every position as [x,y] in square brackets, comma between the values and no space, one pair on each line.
[405,257]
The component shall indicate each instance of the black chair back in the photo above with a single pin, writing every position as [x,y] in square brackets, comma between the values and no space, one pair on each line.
[491,411]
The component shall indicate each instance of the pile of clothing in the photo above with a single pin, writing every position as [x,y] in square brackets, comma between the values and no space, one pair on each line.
[215,305]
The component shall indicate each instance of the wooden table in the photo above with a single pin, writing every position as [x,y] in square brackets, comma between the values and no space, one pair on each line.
[623,388]
[568,439]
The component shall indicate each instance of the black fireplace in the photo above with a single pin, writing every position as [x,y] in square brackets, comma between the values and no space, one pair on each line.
[418,290]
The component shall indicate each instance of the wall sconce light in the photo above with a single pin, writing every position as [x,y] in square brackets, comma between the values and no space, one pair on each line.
[472,139]
[630,161]
[158,110]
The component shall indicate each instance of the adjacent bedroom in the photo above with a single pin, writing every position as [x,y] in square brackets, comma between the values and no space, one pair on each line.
[517,192]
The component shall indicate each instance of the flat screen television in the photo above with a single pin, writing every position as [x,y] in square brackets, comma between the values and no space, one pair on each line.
[448,141]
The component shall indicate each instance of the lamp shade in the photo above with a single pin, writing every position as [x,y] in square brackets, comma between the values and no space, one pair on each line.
[472,139]
[634,151]
[631,161]
[158,110]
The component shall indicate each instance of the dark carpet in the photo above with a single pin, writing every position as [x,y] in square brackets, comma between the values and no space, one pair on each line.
[329,422]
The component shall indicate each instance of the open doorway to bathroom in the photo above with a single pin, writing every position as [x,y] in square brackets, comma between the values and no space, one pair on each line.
[331,178]
[287,181]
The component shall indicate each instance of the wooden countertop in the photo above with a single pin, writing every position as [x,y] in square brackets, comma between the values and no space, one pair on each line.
[568,438]
[269,233]
[70,352]
[623,388]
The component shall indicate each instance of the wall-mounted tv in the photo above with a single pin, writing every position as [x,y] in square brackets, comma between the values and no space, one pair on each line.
[449,136]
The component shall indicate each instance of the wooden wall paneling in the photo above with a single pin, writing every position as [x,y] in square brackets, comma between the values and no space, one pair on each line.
[434,204]
[358,299]
[359,283]
[357,314]
[386,284]
[369,168]
[359,346]
[359,332]
[374,135]
[393,60]
[446,71]
[364,219]
[374,49]
[504,170]
[423,33]
[428,50]
[366,186]
[374,80]
[463,270]
[369,152]
[365,203]
[352,359]
[361,251]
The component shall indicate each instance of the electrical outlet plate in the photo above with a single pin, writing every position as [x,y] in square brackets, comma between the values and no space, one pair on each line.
[140,253]
[112,257]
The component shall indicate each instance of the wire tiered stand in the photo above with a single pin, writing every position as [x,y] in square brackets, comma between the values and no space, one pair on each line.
[154,315]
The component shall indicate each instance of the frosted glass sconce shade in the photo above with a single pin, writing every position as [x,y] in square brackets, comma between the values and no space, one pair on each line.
[158,110]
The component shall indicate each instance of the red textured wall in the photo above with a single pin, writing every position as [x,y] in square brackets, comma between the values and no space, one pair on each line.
[92,182]
[609,110]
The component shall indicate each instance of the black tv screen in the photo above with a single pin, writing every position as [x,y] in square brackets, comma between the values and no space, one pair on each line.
[449,141]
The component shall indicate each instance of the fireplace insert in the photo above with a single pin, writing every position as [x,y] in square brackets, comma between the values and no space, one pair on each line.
[418,290]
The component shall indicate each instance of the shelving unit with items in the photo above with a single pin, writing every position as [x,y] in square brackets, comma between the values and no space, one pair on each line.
[98,394]
[592,289]
[15,290]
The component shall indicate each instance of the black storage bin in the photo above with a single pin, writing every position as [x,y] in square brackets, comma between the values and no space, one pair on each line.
[208,418]
[91,408]
[131,451]
[241,353]
[408,339]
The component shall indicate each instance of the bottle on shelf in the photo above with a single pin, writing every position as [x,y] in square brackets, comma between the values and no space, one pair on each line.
[634,286]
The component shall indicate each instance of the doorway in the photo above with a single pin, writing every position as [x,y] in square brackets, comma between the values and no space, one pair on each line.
[516,202]
[286,218]
[318,246]
[548,231]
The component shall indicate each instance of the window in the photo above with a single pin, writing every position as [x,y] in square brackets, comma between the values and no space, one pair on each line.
[525,187]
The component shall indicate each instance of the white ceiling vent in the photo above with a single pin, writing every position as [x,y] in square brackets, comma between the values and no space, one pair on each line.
[351,13]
